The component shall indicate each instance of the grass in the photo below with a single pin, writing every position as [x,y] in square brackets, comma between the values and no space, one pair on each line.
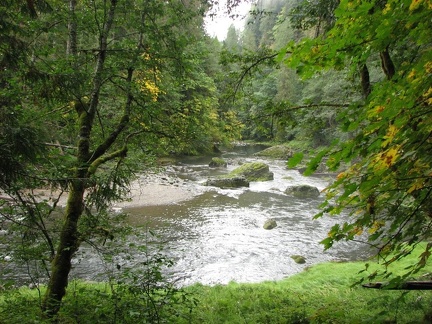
[321,294]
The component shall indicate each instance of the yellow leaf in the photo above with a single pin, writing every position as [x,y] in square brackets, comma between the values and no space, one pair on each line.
[391,155]
[379,109]
[418,184]
[428,96]
[428,67]
[391,132]
[358,230]
[341,175]
[415,4]
[376,226]
[412,75]
[387,158]
[387,8]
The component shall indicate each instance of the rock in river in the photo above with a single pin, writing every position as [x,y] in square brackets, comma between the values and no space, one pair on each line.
[217,162]
[270,224]
[298,259]
[303,191]
[232,182]
[282,152]
[253,171]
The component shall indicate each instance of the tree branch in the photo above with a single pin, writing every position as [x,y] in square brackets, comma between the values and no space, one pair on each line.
[279,113]
[105,158]
[124,121]
[250,67]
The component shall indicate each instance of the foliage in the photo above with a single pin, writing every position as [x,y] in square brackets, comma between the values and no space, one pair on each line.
[387,187]
[271,98]
[314,14]
[84,85]
[137,290]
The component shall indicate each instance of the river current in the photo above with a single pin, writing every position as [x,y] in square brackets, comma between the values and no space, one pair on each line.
[217,236]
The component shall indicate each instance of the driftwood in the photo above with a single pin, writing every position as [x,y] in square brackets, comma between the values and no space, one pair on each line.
[407,285]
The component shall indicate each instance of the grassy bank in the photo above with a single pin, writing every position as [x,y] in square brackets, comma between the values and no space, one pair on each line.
[321,294]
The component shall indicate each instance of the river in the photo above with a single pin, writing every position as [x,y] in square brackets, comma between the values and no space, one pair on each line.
[217,235]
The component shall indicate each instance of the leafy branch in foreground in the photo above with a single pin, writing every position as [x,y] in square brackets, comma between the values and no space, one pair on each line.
[387,188]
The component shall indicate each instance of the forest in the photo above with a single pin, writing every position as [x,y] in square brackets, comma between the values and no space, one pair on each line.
[94,93]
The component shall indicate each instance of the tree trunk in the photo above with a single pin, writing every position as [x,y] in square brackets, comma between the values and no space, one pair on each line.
[387,64]
[72,43]
[408,285]
[68,245]
[69,236]
[365,80]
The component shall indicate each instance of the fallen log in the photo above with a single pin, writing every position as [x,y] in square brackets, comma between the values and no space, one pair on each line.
[407,285]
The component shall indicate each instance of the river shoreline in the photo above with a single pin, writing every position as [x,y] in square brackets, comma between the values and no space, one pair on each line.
[148,190]
[155,194]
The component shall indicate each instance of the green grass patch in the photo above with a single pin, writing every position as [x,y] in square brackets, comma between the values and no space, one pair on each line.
[323,293]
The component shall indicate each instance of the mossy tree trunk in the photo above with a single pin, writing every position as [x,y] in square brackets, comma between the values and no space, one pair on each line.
[87,162]
[68,245]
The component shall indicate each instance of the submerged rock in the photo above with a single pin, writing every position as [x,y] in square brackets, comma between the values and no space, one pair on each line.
[253,171]
[217,162]
[270,224]
[303,191]
[232,182]
[298,259]
[282,152]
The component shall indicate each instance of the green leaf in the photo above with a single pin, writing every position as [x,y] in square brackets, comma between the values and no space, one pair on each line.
[295,160]
[315,162]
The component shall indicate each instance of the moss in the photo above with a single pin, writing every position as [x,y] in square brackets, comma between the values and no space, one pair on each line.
[253,171]
[282,152]
[218,162]
[298,259]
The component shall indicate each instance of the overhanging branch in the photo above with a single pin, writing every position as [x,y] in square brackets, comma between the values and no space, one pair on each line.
[282,112]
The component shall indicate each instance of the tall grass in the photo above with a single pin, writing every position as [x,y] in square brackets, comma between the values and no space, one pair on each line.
[321,294]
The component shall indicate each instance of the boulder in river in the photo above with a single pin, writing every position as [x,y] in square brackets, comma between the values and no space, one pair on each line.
[303,191]
[217,162]
[228,182]
[253,171]
[298,259]
[270,224]
[282,152]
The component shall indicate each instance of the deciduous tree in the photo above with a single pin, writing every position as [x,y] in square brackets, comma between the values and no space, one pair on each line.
[386,189]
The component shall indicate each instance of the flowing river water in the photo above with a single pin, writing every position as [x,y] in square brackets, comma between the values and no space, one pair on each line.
[213,235]
[217,236]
